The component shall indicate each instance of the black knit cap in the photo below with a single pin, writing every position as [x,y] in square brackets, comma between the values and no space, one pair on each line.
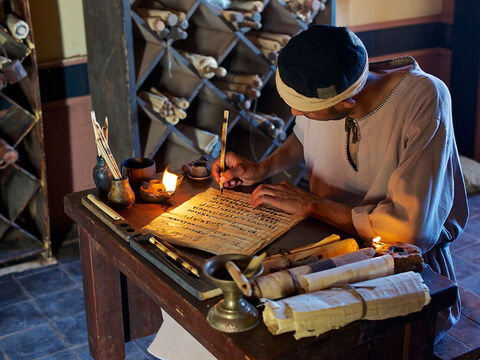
[322,61]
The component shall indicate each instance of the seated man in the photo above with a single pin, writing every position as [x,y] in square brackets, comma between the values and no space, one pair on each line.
[378,143]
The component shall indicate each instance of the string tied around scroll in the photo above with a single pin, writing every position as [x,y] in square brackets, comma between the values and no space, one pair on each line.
[353,290]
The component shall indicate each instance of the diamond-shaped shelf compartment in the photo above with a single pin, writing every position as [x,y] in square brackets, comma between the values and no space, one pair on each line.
[15,121]
[28,85]
[244,59]
[175,75]
[153,130]
[206,110]
[150,45]
[17,189]
[277,18]
[208,34]
[148,49]
[17,244]
[249,141]
[175,151]
[4,225]
[271,103]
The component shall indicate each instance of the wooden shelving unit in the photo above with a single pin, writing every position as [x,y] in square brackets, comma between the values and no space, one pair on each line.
[126,57]
[24,220]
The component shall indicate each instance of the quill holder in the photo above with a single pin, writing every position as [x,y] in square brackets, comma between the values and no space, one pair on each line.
[121,195]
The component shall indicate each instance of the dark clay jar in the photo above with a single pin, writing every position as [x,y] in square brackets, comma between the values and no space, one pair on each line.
[102,176]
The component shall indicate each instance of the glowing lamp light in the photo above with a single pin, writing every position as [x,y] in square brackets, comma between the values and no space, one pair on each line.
[169,180]
[376,241]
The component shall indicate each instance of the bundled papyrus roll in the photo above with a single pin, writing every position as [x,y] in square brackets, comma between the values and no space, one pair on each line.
[285,282]
[326,248]
[315,313]
[206,66]
[347,274]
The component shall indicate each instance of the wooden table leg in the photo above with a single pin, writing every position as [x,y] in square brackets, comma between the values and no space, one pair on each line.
[142,316]
[103,301]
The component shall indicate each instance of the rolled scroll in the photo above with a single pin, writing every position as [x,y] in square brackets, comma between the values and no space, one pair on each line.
[326,248]
[347,274]
[18,28]
[206,66]
[282,39]
[256,6]
[285,283]
[252,80]
[167,17]
[318,312]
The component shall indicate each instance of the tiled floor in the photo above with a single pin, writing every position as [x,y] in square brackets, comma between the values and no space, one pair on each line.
[42,312]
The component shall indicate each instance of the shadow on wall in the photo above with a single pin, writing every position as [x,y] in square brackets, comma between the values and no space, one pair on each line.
[69,146]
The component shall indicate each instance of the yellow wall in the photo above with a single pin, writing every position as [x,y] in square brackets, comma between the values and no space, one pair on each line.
[361,12]
[58,29]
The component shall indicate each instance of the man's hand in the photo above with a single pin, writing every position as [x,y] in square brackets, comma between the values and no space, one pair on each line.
[238,171]
[284,196]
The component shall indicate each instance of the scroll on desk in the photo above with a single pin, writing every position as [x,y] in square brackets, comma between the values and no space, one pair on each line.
[222,223]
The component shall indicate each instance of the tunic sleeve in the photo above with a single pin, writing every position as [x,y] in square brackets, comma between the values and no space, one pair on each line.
[421,190]
[299,128]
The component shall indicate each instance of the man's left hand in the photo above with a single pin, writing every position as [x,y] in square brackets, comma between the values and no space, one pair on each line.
[284,196]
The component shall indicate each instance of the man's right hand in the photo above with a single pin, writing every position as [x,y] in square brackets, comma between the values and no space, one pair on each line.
[238,171]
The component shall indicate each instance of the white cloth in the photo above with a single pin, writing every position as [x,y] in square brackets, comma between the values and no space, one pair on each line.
[314,313]
[409,184]
[173,342]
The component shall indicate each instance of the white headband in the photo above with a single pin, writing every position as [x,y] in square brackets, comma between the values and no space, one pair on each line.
[306,104]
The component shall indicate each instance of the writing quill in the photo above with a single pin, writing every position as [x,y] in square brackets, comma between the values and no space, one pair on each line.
[224,147]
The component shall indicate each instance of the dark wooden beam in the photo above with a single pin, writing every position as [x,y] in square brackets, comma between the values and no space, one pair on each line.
[464,81]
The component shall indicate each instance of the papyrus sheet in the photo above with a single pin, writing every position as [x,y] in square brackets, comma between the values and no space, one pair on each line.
[222,223]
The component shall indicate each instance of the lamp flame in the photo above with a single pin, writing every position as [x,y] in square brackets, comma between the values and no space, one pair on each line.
[169,180]
[377,240]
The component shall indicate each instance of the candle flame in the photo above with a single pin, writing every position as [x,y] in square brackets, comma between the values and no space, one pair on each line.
[377,240]
[169,180]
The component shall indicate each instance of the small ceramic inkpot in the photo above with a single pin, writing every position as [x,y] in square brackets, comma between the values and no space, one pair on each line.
[102,176]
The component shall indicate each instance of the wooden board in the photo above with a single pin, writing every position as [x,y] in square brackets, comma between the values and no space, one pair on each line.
[201,287]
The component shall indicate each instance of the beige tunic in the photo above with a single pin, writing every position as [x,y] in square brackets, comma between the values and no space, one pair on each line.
[408,185]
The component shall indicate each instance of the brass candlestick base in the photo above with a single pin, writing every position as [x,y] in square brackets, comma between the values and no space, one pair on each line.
[233,313]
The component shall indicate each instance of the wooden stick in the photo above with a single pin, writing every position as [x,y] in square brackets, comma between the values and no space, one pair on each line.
[242,88]
[105,208]
[254,264]
[180,102]
[224,146]
[233,15]
[108,160]
[239,278]
[252,16]
[250,79]
[175,256]
[256,6]
[105,128]
[281,38]
[104,149]
[168,17]
[155,23]
[218,71]
[257,25]
[265,43]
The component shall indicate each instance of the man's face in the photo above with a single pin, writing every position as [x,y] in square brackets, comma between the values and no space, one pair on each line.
[335,112]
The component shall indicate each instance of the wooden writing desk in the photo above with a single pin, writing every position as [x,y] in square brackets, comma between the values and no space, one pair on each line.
[124,293]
